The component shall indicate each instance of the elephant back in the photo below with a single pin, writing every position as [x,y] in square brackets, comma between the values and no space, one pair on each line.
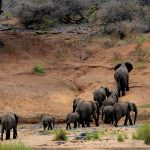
[8,121]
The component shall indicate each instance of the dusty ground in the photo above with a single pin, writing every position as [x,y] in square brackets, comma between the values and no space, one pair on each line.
[76,63]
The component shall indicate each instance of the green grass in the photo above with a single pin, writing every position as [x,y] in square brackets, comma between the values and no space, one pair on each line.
[39,69]
[143,133]
[94,135]
[119,135]
[145,106]
[120,138]
[60,135]
[13,146]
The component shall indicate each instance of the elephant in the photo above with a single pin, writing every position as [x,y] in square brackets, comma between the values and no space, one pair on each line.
[1,11]
[86,109]
[101,94]
[122,109]
[72,117]
[121,76]
[48,121]
[9,121]
[108,114]
[111,100]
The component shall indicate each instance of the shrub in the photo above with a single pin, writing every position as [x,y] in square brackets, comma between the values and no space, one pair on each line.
[142,54]
[123,17]
[60,135]
[32,13]
[38,70]
[117,11]
[13,146]
[120,138]
[7,15]
[94,135]
[143,133]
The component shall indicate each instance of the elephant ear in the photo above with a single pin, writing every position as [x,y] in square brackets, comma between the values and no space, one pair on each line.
[131,108]
[129,66]
[117,66]
[108,93]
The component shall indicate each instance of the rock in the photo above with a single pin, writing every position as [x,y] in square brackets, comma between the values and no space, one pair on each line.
[60,142]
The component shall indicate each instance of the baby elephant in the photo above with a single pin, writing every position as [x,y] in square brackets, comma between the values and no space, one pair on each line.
[72,118]
[9,121]
[48,121]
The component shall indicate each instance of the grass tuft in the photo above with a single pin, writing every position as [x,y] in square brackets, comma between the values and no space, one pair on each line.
[120,138]
[13,146]
[38,69]
[143,133]
[94,135]
[60,135]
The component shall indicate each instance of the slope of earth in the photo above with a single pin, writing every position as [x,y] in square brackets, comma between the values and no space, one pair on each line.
[76,64]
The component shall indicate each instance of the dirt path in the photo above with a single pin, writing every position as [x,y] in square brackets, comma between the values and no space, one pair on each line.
[35,137]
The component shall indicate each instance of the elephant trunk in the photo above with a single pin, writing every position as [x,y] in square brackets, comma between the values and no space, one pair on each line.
[135,110]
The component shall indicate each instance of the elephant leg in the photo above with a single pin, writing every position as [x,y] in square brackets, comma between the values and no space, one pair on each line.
[67,126]
[116,120]
[2,132]
[126,120]
[83,124]
[130,120]
[7,134]
[88,122]
[75,124]
[14,133]
[50,126]
[96,119]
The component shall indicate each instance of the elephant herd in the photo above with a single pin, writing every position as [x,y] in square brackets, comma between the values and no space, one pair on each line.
[107,101]
[104,100]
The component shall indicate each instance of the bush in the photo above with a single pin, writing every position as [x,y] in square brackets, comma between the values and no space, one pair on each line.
[142,54]
[60,135]
[38,70]
[94,135]
[34,14]
[123,17]
[118,10]
[143,133]
[13,146]
[61,11]
[120,138]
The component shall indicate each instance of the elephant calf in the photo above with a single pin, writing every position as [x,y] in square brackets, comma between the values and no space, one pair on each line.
[48,121]
[111,100]
[9,121]
[108,114]
[72,118]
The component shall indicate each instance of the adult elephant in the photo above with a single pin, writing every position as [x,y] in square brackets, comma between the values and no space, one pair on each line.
[9,121]
[121,76]
[122,109]
[86,109]
[111,100]
[101,94]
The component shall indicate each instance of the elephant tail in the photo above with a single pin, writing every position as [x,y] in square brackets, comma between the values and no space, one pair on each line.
[135,110]
[16,118]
